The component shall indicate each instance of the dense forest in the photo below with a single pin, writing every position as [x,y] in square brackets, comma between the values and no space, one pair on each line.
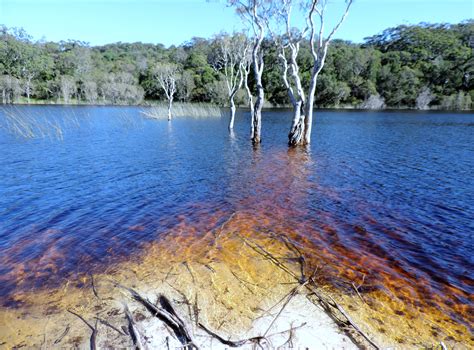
[418,66]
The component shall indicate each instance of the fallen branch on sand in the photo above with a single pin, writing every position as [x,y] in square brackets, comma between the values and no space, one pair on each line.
[330,306]
[93,339]
[132,330]
[166,314]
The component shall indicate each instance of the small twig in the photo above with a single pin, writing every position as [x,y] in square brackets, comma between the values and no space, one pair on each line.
[225,223]
[290,296]
[105,323]
[185,263]
[244,283]
[209,267]
[94,290]
[332,303]
[196,309]
[288,330]
[63,334]
[357,291]
[232,344]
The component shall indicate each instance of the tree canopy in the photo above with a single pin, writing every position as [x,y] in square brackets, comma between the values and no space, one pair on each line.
[409,66]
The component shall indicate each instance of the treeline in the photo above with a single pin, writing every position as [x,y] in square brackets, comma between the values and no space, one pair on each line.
[421,66]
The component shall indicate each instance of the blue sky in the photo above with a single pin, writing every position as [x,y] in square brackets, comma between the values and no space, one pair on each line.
[174,22]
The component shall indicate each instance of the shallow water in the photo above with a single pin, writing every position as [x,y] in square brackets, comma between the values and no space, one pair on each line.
[382,200]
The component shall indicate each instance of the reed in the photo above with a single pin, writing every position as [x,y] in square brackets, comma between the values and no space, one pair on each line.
[28,124]
[190,110]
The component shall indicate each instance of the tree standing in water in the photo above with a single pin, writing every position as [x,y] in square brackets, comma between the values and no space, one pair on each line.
[167,74]
[290,40]
[256,12]
[229,57]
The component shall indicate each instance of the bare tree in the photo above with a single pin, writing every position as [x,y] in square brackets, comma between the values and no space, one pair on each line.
[121,88]
[373,102]
[167,75]
[90,91]
[67,88]
[28,75]
[289,46]
[229,58]
[424,99]
[300,132]
[256,12]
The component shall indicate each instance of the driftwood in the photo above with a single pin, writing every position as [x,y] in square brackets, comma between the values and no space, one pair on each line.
[164,310]
[329,305]
[132,330]
[93,339]
[167,315]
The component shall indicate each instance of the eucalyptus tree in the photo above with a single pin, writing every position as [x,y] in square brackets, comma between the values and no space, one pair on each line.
[167,75]
[229,58]
[300,132]
[90,91]
[67,87]
[256,12]
[10,89]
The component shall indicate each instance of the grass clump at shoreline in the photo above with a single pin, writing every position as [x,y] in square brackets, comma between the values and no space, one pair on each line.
[193,110]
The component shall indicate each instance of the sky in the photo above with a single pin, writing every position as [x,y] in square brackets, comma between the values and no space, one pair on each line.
[170,22]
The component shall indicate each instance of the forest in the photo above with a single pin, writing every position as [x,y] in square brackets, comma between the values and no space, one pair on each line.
[424,66]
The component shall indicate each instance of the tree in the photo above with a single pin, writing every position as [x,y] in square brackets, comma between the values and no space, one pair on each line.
[67,86]
[90,91]
[424,99]
[394,65]
[121,88]
[256,12]
[10,88]
[373,102]
[167,75]
[300,132]
[229,58]
[186,85]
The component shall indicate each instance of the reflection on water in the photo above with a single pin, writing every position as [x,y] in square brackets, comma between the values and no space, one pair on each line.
[378,204]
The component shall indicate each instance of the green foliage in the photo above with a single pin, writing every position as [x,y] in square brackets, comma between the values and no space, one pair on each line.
[415,66]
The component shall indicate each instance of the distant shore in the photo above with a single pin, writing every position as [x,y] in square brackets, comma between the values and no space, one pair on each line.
[153,103]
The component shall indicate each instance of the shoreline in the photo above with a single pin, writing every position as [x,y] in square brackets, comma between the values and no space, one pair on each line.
[278,107]
[234,283]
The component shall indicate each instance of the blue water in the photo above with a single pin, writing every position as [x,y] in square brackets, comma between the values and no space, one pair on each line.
[395,186]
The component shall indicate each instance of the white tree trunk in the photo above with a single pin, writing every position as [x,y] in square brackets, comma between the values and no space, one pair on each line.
[308,122]
[257,112]
[232,112]
[170,107]
[257,116]
[295,135]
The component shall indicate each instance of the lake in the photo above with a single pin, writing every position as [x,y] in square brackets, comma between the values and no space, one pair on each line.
[384,200]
